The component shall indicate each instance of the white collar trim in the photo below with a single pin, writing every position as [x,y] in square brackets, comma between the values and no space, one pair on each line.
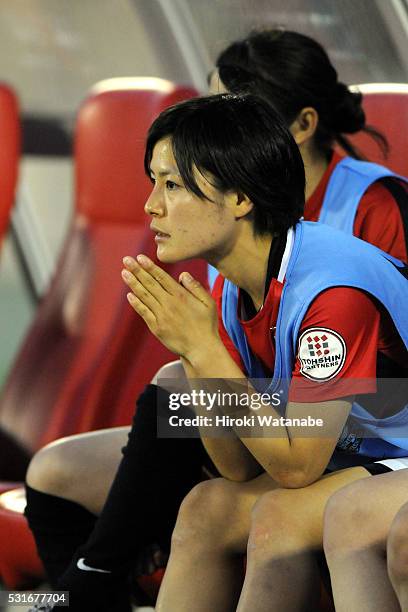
[290,238]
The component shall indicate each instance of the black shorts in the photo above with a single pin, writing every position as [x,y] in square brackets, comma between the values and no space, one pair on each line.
[373,466]
[376,468]
[382,466]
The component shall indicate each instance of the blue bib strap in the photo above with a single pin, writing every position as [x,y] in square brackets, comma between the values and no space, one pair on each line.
[212,274]
[349,181]
[253,366]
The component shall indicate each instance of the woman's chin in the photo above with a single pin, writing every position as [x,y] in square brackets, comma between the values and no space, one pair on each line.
[166,258]
[171,256]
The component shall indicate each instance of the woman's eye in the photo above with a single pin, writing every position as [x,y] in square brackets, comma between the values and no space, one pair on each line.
[171,186]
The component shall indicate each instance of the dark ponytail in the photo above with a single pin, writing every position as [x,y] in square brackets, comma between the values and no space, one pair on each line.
[292,71]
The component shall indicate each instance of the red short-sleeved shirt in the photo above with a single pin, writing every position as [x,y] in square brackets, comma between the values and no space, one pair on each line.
[342,325]
[378,219]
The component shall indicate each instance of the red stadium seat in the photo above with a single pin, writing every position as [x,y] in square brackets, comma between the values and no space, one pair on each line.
[386,108]
[88,355]
[9,153]
[76,341]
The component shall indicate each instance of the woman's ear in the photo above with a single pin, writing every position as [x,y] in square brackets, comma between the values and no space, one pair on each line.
[239,203]
[304,126]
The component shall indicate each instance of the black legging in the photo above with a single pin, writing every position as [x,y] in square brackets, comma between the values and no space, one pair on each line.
[153,477]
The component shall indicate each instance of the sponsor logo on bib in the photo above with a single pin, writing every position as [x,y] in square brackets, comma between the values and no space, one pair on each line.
[322,353]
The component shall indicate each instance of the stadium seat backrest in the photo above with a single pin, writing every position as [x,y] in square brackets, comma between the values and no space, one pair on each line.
[10,134]
[386,108]
[110,138]
[84,343]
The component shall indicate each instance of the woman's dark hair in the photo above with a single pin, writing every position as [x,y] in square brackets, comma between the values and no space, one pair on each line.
[292,71]
[239,143]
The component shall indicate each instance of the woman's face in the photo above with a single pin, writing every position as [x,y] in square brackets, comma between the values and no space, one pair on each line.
[185,225]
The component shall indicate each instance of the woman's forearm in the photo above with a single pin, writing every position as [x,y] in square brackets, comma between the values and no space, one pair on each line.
[231,457]
[293,456]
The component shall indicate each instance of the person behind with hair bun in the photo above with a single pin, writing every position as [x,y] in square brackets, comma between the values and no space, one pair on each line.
[293,72]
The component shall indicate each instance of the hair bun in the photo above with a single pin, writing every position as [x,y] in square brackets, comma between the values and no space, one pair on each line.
[347,114]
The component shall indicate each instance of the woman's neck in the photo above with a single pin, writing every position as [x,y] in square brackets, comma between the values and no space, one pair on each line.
[316,165]
[247,263]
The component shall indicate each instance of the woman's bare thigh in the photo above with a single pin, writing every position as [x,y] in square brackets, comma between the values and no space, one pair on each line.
[373,504]
[80,468]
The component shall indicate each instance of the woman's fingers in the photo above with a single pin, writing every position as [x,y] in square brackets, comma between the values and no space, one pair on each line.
[142,310]
[195,288]
[142,292]
[148,272]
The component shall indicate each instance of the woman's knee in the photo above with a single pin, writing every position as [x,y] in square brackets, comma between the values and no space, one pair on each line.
[80,468]
[52,468]
[277,525]
[397,546]
[351,523]
[205,515]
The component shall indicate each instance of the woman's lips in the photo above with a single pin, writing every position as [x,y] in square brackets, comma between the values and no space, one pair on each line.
[161,236]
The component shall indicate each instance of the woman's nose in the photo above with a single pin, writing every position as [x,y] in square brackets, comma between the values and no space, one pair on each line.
[153,205]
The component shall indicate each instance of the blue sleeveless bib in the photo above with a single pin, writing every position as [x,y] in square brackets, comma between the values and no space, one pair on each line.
[349,181]
[353,263]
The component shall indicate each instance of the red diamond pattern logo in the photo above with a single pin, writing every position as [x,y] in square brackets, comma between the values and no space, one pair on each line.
[322,353]
[318,345]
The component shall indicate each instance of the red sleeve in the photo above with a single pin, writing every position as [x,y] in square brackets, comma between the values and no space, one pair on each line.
[337,347]
[226,340]
[379,221]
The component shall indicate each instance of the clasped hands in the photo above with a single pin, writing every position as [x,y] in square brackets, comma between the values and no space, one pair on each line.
[182,315]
